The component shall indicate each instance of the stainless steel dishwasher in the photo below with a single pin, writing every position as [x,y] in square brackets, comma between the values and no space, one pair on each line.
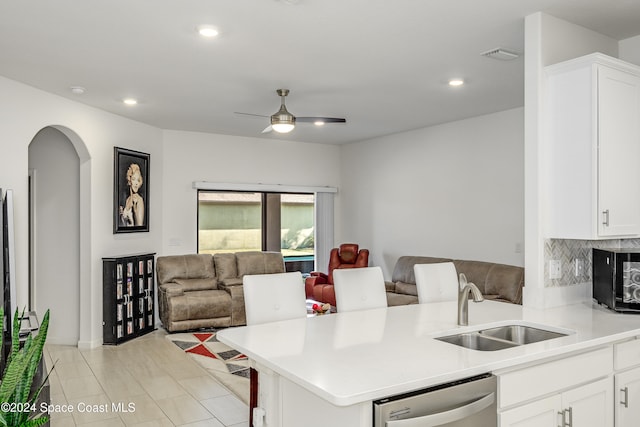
[470,402]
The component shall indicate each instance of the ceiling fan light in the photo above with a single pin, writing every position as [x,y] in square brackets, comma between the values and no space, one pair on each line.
[283,121]
[283,127]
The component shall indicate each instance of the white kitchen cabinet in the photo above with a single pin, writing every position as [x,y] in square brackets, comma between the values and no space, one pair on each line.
[585,406]
[576,390]
[591,149]
[589,405]
[541,413]
[627,383]
[627,398]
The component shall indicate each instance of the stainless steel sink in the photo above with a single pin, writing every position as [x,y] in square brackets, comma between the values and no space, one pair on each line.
[501,337]
[475,341]
[521,334]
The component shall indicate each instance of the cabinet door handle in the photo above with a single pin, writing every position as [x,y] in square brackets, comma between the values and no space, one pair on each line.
[605,218]
[625,394]
[567,417]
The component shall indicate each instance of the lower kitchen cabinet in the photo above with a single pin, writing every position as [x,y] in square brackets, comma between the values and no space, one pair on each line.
[627,398]
[585,406]
[574,391]
[627,382]
[589,405]
[543,412]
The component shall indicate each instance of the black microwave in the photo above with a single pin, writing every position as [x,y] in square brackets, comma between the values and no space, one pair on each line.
[616,279]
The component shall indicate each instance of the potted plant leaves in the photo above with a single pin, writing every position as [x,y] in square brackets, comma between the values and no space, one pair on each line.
[18,402]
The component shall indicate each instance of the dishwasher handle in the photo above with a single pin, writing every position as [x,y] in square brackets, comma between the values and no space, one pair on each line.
[449,416]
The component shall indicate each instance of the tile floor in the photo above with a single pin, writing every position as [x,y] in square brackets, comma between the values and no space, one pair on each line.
[150,374]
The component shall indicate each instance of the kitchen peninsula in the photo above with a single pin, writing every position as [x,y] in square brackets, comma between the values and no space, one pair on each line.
[327,370]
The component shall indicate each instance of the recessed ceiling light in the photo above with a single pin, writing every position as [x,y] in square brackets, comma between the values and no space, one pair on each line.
[207,31]
[77,90]
[318,123]
[130,101]
[456,82]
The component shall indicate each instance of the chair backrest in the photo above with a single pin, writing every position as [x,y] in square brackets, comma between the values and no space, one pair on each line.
[274,297]
[436,282]
[348,255]
[359,288]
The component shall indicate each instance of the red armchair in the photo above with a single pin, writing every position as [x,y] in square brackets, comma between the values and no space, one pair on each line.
[319,286]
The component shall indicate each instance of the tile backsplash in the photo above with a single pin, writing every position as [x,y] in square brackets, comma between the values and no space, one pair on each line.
[567,251]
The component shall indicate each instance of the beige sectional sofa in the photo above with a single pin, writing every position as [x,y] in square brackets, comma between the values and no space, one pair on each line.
[200,290]
[499,282]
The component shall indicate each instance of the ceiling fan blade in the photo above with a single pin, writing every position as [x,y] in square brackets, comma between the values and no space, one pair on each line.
[321,119]
[267,129]
[249,114]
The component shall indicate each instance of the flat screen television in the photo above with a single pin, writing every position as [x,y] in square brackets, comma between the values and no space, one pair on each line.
[7,264]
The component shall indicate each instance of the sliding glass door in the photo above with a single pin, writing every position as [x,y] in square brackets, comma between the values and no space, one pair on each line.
[232,221]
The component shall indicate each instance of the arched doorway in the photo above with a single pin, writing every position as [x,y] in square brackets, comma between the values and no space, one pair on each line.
[56,236]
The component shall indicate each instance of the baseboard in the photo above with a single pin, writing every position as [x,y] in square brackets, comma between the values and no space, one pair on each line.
[88,345]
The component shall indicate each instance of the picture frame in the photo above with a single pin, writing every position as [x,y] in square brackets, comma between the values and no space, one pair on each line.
[130,191]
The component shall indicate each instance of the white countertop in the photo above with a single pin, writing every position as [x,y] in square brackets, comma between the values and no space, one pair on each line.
[353,357]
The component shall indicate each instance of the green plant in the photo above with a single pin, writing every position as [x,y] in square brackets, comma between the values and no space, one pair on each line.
[17,378]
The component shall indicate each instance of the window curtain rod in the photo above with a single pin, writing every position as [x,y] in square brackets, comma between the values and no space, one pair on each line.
[274,188]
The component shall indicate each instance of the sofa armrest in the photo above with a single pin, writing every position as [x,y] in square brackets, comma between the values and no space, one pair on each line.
[390,286]
[314,280]
[238,315]
[318,274]
[231,281]
[172,289]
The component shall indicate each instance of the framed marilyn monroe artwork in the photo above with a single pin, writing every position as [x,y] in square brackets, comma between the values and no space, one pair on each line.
[130,191]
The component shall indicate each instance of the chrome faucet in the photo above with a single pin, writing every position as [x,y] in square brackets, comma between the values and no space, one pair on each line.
[465,289]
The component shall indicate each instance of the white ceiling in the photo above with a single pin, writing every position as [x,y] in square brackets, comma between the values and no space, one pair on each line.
[381,64]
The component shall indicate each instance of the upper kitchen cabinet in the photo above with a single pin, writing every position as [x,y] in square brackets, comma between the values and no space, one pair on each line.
[592,149]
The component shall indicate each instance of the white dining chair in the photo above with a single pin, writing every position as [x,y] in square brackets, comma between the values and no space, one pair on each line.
[359,288]
[436,282]
[271,298]
[274,297]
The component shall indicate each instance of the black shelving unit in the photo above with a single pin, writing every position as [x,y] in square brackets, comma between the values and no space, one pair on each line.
[127,297]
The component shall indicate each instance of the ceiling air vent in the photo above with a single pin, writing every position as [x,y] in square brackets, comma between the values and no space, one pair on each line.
[501,54]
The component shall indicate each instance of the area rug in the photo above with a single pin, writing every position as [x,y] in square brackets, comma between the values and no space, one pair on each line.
[228,366]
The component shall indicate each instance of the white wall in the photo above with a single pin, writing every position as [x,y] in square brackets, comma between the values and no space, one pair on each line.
[548,40]
[192,156]
[630,50]
[24,111]
[452,190]
[56,183]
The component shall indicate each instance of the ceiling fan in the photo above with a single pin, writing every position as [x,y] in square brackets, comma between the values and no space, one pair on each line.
[283,121]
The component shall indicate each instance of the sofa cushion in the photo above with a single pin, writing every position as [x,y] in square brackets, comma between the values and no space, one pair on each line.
[259,263]
[394,299]
[406,288]
[196,284]
[192,266]
[225,265]
[403,271]
[200,305]
[475,271]
[501,279]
